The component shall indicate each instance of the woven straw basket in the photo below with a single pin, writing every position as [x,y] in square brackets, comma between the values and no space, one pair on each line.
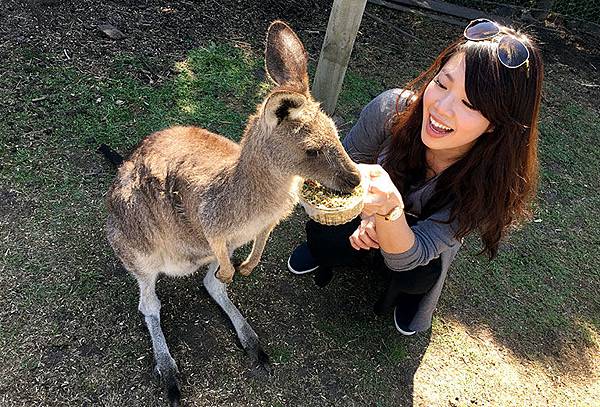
[338,216]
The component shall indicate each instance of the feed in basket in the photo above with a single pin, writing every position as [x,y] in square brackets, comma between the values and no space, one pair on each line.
[329,207]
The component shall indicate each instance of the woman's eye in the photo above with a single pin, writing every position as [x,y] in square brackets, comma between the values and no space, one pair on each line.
[437,82]
[312,152]
[467,104]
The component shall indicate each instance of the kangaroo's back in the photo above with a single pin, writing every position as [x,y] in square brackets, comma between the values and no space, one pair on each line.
[195,151]
[146,202]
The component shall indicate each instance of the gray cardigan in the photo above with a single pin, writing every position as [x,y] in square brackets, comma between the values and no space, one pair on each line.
[366,143]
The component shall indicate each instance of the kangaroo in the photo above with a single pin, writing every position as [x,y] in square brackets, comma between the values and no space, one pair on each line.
[187,197]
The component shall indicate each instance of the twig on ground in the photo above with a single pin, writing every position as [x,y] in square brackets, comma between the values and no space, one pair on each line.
[5,254]
[589,85]
[513,298]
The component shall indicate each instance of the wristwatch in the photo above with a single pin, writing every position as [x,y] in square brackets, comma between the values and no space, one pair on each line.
[392,215]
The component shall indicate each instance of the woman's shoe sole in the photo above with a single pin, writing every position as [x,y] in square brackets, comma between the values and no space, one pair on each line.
[402,331]
[291,269]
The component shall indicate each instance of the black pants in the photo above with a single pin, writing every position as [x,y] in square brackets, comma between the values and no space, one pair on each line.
[330,246]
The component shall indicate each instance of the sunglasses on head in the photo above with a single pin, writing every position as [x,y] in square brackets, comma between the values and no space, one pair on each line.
[512,53]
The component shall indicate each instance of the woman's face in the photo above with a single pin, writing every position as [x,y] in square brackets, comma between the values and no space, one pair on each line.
[449,121]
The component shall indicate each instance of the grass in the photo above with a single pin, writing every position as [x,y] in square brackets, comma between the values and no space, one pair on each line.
[521,329]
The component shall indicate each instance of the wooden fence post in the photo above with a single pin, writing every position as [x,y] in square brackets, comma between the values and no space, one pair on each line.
[342,27]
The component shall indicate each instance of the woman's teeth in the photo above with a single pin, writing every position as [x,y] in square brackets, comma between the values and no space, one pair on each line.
[439,126]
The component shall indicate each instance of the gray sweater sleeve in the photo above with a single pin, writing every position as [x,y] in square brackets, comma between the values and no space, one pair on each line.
[431,239]
[367,138]
[372,130]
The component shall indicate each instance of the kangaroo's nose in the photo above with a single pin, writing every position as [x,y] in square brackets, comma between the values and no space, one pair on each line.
[350,180]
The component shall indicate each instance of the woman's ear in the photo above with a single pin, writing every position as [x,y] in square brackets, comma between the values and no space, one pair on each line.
[490,128]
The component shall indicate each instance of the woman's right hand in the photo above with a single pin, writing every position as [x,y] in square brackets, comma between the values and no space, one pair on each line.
[365,237]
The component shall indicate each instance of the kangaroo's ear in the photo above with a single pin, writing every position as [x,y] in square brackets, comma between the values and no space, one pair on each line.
[285,57]
[281,106]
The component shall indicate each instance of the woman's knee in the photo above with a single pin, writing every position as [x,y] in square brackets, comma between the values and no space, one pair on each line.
[330,245]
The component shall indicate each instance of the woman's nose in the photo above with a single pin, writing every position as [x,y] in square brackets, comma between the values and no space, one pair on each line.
[443,105]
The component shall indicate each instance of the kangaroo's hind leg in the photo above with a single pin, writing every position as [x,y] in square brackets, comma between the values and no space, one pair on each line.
[248,338]
[150,308]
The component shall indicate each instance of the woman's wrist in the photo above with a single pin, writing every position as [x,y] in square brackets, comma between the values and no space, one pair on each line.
[394,201]
[394,236]
[393,215]
[386,213]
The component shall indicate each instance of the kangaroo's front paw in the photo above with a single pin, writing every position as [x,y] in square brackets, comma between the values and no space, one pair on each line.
[245,269]
[225,276]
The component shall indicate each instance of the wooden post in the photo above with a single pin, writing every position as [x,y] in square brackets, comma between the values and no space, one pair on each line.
[342,27]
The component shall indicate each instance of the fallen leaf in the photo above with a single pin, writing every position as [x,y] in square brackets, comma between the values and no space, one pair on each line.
[111,31]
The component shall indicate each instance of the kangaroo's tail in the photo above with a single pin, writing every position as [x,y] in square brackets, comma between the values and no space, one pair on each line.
[111,155]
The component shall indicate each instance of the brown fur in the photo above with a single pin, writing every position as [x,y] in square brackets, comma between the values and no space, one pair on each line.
[187,197]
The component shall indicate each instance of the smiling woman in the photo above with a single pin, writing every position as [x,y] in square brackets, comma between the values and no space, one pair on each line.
[450,122]
[453,153]
[487,163]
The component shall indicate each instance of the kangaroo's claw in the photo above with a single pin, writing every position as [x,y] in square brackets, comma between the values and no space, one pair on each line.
[245,269]
[225,278]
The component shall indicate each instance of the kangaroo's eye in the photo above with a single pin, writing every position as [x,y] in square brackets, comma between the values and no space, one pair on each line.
[313,152]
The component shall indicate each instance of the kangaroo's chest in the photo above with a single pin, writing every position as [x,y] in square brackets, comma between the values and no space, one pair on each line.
[249,226]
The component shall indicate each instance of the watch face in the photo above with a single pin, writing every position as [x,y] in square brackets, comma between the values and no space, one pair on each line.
[396,213]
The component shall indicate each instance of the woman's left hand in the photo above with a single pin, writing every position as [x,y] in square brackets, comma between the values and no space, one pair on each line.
[365,236]
[381,195]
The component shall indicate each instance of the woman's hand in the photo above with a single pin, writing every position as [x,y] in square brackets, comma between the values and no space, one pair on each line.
[365,237]
[381,195]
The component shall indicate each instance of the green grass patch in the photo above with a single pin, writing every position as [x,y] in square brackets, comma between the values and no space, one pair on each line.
[281,354]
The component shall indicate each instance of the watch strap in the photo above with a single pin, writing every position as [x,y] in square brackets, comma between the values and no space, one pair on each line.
[388,216]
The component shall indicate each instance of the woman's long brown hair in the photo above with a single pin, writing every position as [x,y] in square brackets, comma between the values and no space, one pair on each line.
[493,185]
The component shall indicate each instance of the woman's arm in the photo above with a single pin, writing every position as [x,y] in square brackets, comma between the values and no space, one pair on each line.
[403,247]
[395,236]
[369,133]
[433,236]
[381,199]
